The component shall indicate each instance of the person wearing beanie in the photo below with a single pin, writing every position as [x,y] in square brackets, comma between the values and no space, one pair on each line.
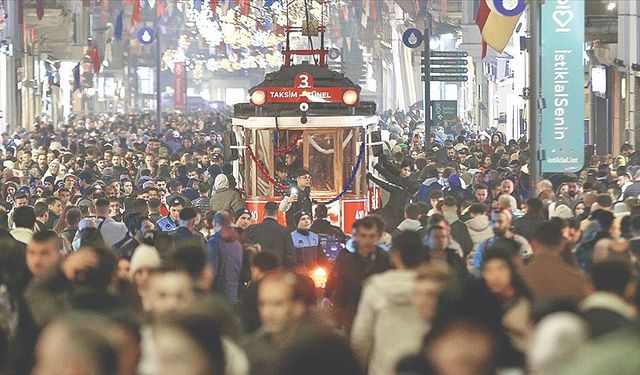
[242,222]
[306,243]
[187,232]
[144,260]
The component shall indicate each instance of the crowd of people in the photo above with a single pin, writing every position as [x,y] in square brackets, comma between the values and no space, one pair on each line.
[123,251]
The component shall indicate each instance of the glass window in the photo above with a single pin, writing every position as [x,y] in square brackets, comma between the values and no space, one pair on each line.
[321,161]
[349,157]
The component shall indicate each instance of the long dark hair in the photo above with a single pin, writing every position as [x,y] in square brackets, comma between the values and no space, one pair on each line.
[506,249]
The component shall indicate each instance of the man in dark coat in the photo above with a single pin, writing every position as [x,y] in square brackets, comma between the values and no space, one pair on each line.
[322,226]
[186,232]
[272,237]
[351,269]
[297,198]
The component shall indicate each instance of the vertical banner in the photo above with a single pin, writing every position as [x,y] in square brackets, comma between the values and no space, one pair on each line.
[180,88]
[562,85]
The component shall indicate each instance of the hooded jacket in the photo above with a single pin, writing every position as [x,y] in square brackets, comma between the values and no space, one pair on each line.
[408,225]
[428,186]
[225,254]
[479,229]
[225,198]
[387,328]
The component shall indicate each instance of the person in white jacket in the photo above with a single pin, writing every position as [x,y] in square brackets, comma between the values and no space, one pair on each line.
[478,225]
[387,327]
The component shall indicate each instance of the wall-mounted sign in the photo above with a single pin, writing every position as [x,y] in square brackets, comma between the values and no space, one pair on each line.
[562,85]
[145,36]
[412,38]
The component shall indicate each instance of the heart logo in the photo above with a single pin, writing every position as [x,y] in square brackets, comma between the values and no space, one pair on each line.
[562,18]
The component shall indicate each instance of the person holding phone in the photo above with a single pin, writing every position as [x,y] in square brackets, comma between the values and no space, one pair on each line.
[297,198]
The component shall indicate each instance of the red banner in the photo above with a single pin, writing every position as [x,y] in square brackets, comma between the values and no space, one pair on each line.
[298,95]
[179,86]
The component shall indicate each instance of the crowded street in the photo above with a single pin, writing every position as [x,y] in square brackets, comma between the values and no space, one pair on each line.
[319,187]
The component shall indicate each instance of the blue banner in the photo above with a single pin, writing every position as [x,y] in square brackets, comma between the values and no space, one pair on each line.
[562,85]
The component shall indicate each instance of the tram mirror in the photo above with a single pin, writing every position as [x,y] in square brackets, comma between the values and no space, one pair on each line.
[229,141]
[376,141]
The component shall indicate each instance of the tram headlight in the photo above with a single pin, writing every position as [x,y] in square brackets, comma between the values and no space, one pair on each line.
[350,97]
[258,97]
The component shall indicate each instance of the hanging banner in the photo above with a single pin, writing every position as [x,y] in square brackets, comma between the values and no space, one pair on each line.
[180,87]
[562,85]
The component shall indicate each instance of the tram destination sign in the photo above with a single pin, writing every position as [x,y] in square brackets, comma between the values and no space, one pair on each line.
[303,95]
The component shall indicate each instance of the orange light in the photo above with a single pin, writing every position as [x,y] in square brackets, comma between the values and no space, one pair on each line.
[258,97]
[350,97]
[319,277]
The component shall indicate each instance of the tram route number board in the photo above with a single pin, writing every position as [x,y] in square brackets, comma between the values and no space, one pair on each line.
[303,91]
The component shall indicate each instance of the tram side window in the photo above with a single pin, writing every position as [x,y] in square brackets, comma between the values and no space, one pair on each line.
[264,154]
[322,161]
[289,156]
[350,138]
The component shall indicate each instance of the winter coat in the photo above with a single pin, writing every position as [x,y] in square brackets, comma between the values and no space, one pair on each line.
[225,254]
[460,233]
[323,226]
[526,226]
[346,279]
[273,238]
[408,225]
[605,312]
[308,250]
[548,276]
[477,255]
[428,186]
[225,199]
[393,211]
[479,229]
[387,328]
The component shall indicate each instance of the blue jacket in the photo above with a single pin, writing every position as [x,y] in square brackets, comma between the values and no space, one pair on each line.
[428,186]
[225,255]
[167,225]
[307,248]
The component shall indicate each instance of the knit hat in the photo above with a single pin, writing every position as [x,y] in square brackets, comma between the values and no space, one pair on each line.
[556,337]
[563,212]
[144,256]
[188,213]
[298,215]
[241,212]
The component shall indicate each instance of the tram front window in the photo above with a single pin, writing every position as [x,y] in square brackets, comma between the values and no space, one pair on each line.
[321,161]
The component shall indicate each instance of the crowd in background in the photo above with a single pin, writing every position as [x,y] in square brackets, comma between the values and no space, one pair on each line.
[124,251]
